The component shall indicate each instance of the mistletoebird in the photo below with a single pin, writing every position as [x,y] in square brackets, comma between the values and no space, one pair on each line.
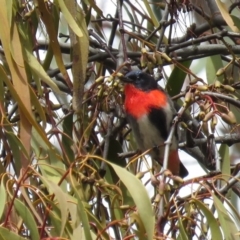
[150,112]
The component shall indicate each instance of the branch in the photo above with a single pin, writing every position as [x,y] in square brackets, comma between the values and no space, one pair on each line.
[163,25]
[102,44]
[234,5]
[122,56]
[179,52]
[168,143]
[218,35]
[232,181]
[192,52]
[228,139]
[43,45]
[204,51]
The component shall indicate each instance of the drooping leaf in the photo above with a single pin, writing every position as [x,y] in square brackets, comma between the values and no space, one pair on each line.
[22,106]
[182,232]
[81,208]
[69,18]
[80,51]
[213,63]
[151,13]
[3,198]
[39,108]
[93,4]
[16,146]
[224,153]
[6,234]
[67,138]
[62,201]
[78,233]
[143,204]
[27,217]
[226,222]
[37,68]
[211,220]
[176,79]
[236,21]
[225,14]
[13,52]
[52,30]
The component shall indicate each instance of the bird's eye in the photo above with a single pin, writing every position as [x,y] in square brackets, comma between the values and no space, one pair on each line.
[139,76]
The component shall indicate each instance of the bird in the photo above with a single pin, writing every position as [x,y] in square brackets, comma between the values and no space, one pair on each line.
[150,112]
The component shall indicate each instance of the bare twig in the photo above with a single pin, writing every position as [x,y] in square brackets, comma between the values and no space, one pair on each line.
[218,35]
[234,5]
[168,143]
[232,181]
[228,139]
[103,44]
[122,56]
[163,26]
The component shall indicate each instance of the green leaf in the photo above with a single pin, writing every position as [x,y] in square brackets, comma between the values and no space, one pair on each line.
[151,14]
[9,5]
[213,223]
[37,68]
[6,234]
[70,20]
[233,205]
[2,198]
[224,153]
[99,225]
[80,208]
[27,217]
[225,14]
[50,173]
[140,197]
[213,63]
[67,138]
[182,233]
[62,201]
[93,4]
[79,233]
[56,222]
[236,21]
[227,224]
[29,201]
[157,10]
[39,109]
[15,145]
[177,78]
[22,106]
[52,165]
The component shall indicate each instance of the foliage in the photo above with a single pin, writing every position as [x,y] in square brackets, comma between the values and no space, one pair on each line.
[69,169]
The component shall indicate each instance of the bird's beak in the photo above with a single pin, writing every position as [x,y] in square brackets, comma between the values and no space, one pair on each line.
[125,79]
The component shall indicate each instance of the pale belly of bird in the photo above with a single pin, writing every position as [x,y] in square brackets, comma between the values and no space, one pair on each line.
[148,136]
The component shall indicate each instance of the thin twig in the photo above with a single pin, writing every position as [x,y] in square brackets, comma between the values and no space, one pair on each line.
[168,143]
[122,56]
[163,26]
[218,35]
[103,44]
[232,181]
[234,5]
[228,139]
